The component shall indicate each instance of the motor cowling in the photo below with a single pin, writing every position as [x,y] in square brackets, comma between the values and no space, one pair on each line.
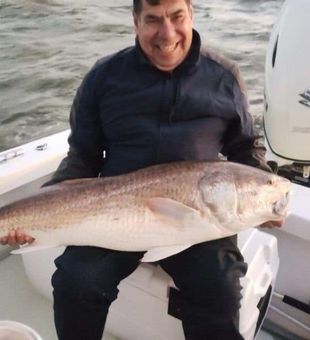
[287,90]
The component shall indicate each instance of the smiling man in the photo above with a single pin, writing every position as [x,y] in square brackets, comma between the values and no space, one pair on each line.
[164,31]
[161,100]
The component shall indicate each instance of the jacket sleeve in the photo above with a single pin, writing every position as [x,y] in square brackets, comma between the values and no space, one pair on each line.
[85,155]
[242,143]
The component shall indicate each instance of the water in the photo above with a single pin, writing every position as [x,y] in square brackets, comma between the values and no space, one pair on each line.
[46,46]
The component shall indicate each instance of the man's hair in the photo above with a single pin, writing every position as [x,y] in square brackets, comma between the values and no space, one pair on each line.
[137,4]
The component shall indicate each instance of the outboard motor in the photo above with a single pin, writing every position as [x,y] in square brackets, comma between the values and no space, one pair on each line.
[287,93]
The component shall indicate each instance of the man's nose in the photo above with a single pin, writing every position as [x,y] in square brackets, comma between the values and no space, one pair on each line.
[167,30]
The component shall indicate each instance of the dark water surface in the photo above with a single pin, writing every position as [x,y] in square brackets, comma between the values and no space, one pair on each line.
[46,46]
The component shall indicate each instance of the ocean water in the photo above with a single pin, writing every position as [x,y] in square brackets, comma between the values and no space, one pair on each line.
[46,47]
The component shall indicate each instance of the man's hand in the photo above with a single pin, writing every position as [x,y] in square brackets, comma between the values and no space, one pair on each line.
[272,224]
[16,237]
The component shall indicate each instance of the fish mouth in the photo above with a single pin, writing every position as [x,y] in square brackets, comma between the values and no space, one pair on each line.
[279,207]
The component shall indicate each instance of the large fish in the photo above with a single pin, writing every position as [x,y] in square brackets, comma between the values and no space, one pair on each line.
[162,209]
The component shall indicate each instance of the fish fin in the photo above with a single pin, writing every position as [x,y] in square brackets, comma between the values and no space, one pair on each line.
[77,181]
[159,253]
[171,209]
[30,248]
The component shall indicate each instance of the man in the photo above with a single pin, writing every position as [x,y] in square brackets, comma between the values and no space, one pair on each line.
[162,100]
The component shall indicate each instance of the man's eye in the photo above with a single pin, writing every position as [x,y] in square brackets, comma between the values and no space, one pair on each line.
[179,17]
[151,20]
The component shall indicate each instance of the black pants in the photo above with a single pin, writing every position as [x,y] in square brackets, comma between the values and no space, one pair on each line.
[207,274]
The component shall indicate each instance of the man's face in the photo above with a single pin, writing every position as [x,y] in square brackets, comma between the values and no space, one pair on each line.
[165,32]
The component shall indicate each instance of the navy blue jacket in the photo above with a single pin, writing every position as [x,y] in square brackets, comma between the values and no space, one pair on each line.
[136,115]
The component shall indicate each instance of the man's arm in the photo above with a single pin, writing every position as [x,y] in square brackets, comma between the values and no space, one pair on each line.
[85,155]
[242,142]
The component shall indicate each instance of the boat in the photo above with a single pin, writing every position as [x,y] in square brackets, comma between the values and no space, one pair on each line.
[276,289]
[25,169]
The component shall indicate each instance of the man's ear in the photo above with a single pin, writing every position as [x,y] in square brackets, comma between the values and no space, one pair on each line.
[191,11]
[135,20]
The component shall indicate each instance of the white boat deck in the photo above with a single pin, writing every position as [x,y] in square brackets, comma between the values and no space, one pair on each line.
[19,302]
